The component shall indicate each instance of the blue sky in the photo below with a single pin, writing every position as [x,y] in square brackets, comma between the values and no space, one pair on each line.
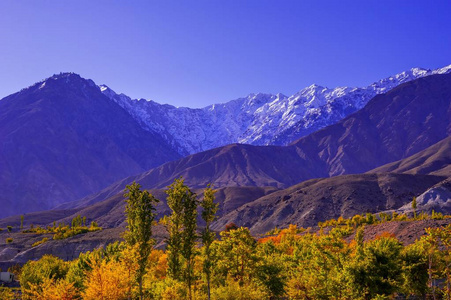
[195,53]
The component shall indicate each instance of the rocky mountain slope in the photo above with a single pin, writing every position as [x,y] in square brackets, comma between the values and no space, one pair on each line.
[258,119]
[317,200]
[425,175]
[392,126]
[434,160]
[62,139]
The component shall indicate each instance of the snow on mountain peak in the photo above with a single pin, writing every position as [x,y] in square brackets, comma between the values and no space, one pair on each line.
[259,119]
[107,91]
[444,70]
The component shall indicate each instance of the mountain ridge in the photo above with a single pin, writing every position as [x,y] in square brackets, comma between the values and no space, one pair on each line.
[257,119]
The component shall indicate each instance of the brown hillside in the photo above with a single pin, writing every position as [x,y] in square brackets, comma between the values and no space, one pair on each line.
[434,160]
[316,200]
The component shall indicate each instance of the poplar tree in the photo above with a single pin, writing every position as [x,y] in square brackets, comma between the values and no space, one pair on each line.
[414,207]
[182,232]
[140,213]
[209,209]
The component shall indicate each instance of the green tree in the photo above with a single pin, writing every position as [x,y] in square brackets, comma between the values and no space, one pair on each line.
[21,221]
[174,227]
[209,209]
[414,207]
[182,227]
[34,272]
[377,271]
[140,213]
[415,269]
[359,239]
[236,255]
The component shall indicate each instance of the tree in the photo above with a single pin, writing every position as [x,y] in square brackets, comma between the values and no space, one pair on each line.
[236,255]
[52,289]
[140,213]
[35,272]
[415,269]
[107,280]
[182,227]
[174,228]
[414,207]
[208,236]
[378,269]
[21,221]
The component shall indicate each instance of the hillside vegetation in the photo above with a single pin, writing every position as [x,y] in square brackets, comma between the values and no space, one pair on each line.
[334,262]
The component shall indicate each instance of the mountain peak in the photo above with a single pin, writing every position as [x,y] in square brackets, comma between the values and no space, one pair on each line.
[444,70]
[70,77]
[63,78]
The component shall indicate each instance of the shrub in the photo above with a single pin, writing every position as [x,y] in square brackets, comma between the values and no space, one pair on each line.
[233,291]
[35,272]
[40,242]
[6,294]
[9,240]
[51,289]
[10,228]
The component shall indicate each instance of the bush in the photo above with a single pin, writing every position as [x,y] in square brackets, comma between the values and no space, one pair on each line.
[51,289]
[233,291]
[40,242]
[9,240]
[6,294]
[169,289]
[35,272]
[10,228]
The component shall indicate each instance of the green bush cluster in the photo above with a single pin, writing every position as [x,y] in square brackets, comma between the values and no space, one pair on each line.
[63,231]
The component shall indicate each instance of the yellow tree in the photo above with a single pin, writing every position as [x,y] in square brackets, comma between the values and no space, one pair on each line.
[51,289]
[107,280]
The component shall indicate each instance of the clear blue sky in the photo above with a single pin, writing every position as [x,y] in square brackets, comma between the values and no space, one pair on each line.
[195,53]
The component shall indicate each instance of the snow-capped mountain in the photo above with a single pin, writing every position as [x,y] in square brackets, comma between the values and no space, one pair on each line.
[258,119]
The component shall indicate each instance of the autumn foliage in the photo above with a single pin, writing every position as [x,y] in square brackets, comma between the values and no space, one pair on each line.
[336,261]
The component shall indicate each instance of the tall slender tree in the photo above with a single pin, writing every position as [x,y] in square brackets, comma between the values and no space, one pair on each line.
[414,207]
[174,227]
[182,232]
[140,213]
[209,209]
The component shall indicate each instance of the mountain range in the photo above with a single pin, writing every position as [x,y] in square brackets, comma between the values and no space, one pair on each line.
[257,119]
[65,138]
[392,126]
